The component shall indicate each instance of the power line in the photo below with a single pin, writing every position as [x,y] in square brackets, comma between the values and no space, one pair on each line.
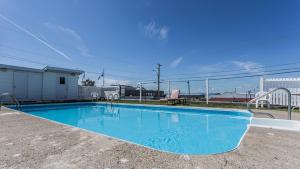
[234,74]
[239,77]
[200,78]
[115,75]
[250,69]
[258,75]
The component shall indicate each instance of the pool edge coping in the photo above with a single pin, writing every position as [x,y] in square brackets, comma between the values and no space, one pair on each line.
[146,105]
[274,126]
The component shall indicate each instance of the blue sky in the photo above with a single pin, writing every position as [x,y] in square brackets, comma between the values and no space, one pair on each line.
[128,38]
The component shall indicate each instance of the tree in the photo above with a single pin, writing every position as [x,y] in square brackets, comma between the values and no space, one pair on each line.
[88,82]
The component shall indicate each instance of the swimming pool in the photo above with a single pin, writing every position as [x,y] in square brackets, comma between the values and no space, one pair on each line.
[171,129]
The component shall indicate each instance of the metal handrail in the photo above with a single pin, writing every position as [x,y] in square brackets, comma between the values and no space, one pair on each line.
[13,98]
[270,92]
[111,99]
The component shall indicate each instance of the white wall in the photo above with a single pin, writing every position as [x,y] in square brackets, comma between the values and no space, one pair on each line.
[73,87]
[49,86]
[24,85]
[61,89]
[20,84]
[85,91]
[53,90]
[6,82]
[35,85]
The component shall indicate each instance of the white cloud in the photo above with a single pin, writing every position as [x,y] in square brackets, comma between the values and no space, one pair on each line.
[176,62]
[163,33]
[153,30]
[35,37]
[72,35]
[248,66]
[229,67]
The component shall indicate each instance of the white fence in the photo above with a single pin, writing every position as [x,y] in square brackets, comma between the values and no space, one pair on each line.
[86,91]
[280,97]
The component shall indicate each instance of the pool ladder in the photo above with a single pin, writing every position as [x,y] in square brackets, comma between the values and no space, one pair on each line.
[268,93]
[12,97]
[111,97]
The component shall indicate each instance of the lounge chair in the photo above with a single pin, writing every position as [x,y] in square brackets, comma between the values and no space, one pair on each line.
[174,98]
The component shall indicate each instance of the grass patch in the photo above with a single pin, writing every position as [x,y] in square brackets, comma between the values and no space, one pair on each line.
[194,104]
[203,104]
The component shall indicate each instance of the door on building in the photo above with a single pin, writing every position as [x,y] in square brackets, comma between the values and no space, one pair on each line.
[20,84]
[61,87]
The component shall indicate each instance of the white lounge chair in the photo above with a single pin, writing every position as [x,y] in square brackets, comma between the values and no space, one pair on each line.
[174,97]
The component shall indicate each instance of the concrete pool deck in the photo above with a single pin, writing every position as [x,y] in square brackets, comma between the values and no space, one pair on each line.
[278,114]
[31,142]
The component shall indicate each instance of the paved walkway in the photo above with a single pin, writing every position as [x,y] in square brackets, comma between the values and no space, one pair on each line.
[30,142]
[278,114]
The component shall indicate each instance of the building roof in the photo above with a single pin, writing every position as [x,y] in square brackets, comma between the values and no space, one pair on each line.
[231,95]
[3,67]
[47,68]
[63,70]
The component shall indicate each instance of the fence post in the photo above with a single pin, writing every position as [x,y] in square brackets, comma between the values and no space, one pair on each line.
[207,90]
[261,84]
[141,86]
[169,88]
[261,88]
[189,89]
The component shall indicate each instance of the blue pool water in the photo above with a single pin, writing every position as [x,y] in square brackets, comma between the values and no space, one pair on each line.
[177,130]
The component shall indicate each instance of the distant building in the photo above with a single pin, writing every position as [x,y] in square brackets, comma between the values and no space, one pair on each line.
[130,92]
[47,84]
[194,97]
[123,92]
[232,97]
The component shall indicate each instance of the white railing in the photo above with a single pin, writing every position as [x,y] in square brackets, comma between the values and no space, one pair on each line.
[13,98]
[289,98]
[280,97]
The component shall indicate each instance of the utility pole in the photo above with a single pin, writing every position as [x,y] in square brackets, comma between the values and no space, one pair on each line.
[103,77]
[169,89]
[189,89]
[158,80]
[249,93]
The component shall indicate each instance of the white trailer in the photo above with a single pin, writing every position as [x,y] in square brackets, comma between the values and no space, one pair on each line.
[47,84]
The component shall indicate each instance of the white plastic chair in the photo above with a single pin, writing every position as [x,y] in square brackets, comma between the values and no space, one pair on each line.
[111,95]
[266,99]
[95,95]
